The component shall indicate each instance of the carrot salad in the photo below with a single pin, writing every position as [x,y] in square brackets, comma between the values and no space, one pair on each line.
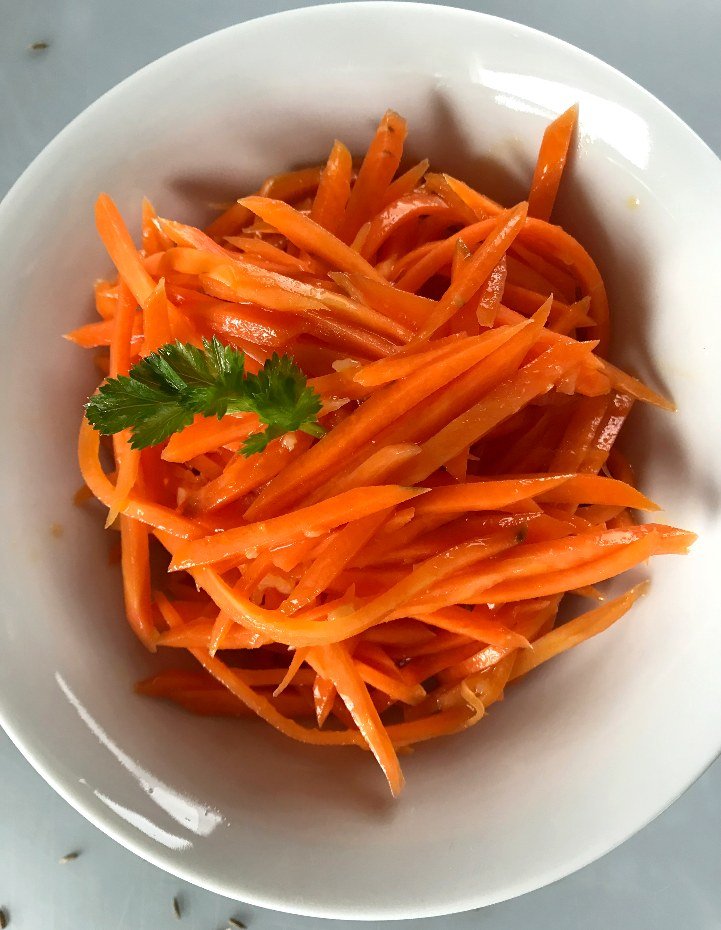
[361,447]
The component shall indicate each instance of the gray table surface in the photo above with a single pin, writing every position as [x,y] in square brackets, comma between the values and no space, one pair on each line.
[665,878]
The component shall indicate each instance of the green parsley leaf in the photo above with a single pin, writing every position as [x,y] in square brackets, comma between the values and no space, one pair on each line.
[164,391]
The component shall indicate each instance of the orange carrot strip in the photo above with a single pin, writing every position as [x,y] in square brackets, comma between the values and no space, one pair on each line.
[127,460]
[299,657]
[96,335]
[374,177]
[481,205]
[254,246]
[326,567]
[480,624]
[371,470]
[306,234]
[492,295]
[595,489]
[400,365]
[563,248]
[630,385]
[562,283]
[550,164]
[334,663]
[241,284]
[532,380]
[279,531]
[208,433]
[438,183]
[324,694]
[333,191]
[486,495]
[577,631]
[242,475]
[440,254]
[291,185]
[136,580]
[401,306]
[169,680]
[156,320]
[153,240]
[406,182]
[121,249]
[575,317]
[198,635]
[477,270]
[397,215]
[391,685]
[230,222]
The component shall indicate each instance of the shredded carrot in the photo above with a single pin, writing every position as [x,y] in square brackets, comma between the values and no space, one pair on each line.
[382,585]
[550,164]
[334,188]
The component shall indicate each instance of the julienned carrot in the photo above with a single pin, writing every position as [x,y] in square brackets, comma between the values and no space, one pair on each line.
[97,335]
[399,366]
[279,531]
[156,320]
[492,295]
[376,173]
[372,470]
[127,459]
[577,631]
[478,268]
[481,205]
[534,380]
[335,664]
[398,214]
[399,305]
[326,567]
[596,489]
[377,412]
[550,164]
[437,255]
[152,237]
[406,182]
[413,561]
[206,434]
[480,624]
[558,245]
[255,246]
[333,189]
[121,249]
[291,185]
[241,476]
[308,235]
[197,635]
[486,495]
[136,579]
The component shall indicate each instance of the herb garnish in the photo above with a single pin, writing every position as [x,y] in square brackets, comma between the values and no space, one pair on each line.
[165,391]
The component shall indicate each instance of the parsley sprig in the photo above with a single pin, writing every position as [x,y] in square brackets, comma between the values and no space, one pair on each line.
[164,392]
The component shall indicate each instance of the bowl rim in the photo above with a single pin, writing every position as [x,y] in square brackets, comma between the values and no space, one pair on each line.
[124,834]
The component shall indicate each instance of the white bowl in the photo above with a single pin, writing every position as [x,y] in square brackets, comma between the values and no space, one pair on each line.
[579,756]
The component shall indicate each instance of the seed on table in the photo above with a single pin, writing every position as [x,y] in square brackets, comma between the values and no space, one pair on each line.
[68,857]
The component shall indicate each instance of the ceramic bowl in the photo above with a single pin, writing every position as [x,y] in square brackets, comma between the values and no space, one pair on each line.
[579,756]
